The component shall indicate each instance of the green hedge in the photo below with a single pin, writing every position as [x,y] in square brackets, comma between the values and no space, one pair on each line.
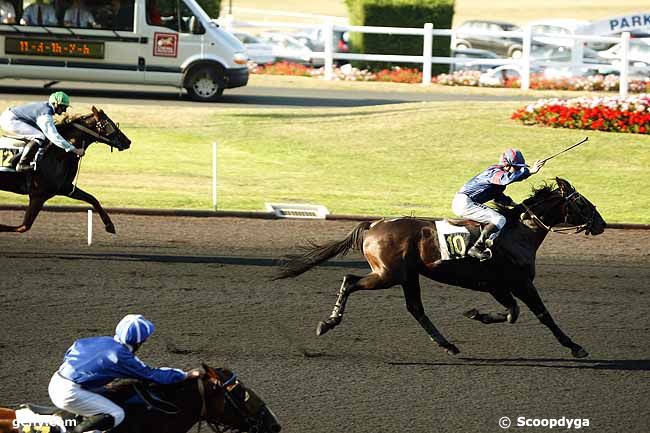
[211,7]
[399,13]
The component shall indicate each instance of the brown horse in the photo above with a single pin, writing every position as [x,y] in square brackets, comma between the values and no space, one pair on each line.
[56,171]
[400,250]
[217,398]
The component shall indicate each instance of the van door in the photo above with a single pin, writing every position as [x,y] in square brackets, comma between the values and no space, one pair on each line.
[174,35]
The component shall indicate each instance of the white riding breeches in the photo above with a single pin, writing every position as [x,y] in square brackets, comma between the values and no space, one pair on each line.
[465,207]
[11,124]
[70,396]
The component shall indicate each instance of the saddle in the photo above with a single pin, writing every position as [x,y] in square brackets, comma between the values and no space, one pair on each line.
[132,393]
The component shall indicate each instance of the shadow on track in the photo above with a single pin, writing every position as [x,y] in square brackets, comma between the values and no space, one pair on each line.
[162,258]
[559,363]
[297,100]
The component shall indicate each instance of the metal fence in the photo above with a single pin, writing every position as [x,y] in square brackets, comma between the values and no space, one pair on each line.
[330,24]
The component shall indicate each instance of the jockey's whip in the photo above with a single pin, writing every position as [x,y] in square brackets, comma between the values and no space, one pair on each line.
[565,150]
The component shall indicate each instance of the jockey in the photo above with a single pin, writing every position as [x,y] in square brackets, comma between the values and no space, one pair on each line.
[91,363]
[489,185]
[35,122]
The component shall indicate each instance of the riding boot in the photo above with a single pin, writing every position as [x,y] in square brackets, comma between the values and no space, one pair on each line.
[28,152]
[101,422]
[479,250]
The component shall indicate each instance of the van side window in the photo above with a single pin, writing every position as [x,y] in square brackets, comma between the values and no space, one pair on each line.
[116,15]
[38,13]
[7,12]
[173,14]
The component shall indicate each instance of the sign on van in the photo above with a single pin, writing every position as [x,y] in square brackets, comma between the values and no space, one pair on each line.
[624,23]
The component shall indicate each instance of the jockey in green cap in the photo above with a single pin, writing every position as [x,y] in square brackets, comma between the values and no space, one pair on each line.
[35,122]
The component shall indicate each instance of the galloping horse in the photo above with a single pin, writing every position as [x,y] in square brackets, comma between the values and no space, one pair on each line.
[57,170]
[400,250]
[218,397]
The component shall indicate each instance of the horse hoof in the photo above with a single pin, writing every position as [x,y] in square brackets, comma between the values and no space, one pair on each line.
[452,350]
[110,228]
[471,314]
[579,353]
[322,328]
[513,314]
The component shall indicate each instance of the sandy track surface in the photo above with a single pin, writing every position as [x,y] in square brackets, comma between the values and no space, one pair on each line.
[205,284]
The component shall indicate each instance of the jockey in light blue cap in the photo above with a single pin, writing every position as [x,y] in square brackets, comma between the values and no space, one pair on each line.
[489,185]
[91,363]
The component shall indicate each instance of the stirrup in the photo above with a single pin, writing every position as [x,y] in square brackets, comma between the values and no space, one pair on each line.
[486,254]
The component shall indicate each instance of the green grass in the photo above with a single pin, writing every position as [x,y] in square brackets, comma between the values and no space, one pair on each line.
[520,11]
[388,160]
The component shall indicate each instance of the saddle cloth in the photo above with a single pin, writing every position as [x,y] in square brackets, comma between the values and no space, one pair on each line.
[454,241]
[12,143]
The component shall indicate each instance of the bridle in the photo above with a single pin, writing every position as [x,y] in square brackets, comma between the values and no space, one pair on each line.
[102,125]
[569,199]
[216,425]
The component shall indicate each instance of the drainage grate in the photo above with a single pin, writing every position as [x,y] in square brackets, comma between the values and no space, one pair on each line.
[297,210]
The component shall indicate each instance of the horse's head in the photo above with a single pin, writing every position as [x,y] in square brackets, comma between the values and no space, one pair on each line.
[108,131]
[231,405]
[579,211]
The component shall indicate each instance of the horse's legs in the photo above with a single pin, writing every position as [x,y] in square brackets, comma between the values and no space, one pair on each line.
[413,297]
[504,297]
[528,294]
[351,283]
[79,194]
[33,209]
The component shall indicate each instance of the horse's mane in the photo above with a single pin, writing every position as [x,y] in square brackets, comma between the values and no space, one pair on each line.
[537,192]
[69,119]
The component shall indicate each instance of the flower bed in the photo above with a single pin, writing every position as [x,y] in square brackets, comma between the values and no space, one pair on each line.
[608,83]
[613,114]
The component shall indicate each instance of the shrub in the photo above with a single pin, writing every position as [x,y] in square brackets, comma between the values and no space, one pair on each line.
[399,13]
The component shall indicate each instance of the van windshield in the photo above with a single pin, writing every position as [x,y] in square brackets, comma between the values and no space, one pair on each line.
[174,15]
[79,14]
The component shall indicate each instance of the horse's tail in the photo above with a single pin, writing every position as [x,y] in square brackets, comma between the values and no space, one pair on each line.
[296,264]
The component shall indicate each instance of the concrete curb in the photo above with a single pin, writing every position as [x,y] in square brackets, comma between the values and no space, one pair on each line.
[241,214]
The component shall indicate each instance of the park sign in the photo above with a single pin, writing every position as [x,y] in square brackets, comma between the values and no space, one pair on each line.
[624,23]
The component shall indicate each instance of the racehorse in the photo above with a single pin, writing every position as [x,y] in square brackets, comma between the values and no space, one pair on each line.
[217,398]
[56,171]
[400,250]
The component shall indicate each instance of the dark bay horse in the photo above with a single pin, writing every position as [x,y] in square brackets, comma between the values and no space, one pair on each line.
[400,250]
[57,170]
[217,398]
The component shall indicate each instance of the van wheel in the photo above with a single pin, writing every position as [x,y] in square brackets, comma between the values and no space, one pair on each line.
[205,84]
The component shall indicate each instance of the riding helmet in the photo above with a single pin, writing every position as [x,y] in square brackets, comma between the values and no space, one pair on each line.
[133,329]
[60,98]
[513,157]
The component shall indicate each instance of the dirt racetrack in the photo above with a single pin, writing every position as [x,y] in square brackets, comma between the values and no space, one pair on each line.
[205,284]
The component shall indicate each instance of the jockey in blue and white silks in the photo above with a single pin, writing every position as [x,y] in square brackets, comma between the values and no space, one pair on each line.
[91,363]
[488,185]
[35,122]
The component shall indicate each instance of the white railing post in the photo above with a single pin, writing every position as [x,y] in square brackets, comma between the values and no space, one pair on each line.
[525,59]
[623,82]
[427,54]
[328,34]
[577,54]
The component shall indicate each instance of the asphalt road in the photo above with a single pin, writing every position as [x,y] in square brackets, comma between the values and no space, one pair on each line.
[251,96]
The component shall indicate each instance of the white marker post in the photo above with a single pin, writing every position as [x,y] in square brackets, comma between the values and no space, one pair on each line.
[90,227]
[214,175]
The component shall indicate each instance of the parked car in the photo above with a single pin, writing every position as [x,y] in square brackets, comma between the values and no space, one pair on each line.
[471,53]
[258,51]
[563,27]
[288,48]
[315,39]
[638,54]
[503,46]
